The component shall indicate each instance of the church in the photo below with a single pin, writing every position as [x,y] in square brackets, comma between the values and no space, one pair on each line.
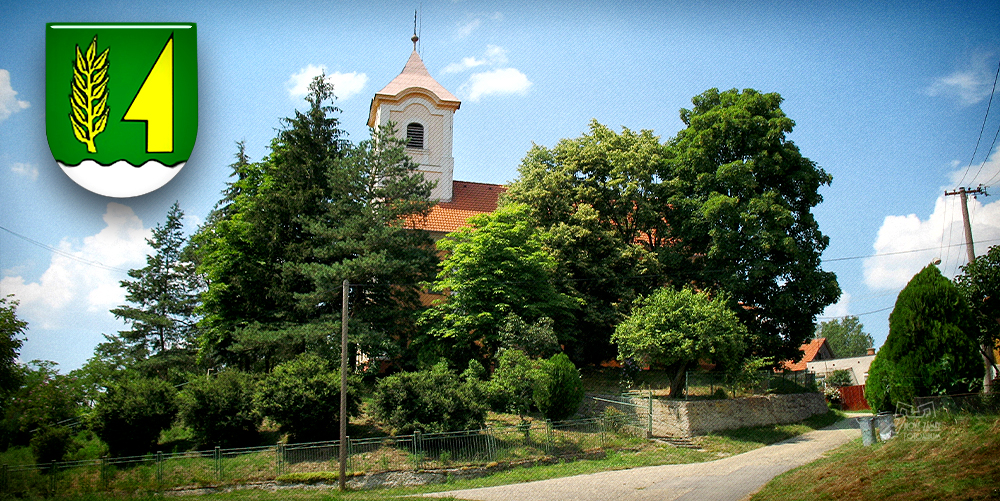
[423,111]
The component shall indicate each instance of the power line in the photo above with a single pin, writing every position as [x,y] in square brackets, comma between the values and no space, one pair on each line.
[96,264]
[901,252]
[981,129]
[856,314]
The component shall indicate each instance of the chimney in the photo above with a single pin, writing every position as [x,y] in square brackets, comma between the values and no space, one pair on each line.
[871,351]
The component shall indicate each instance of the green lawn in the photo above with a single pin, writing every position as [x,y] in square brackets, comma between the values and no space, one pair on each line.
[952,458]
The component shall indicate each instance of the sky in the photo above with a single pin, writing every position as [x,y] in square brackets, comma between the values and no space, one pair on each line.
[890,100]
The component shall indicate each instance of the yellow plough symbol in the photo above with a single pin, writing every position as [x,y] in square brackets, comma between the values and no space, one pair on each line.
[89,99]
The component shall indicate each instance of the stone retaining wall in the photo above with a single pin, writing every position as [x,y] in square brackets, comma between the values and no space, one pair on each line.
[680,418]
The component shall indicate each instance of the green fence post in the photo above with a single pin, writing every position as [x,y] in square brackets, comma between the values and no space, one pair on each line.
[350,461]
[418,448]
[548,437]
[159,469]
[278,453]
[218,463]
[52,478]
[104,473]
[649,418]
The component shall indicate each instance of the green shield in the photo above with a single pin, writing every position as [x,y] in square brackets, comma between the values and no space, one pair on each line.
[121,92]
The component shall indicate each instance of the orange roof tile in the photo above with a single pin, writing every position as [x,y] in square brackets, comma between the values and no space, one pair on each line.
[810,350]
[468,199]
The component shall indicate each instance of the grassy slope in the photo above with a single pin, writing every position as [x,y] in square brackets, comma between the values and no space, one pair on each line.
[715,446]
[961,461]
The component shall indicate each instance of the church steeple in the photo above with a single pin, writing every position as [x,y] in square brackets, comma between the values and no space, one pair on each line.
[422,110]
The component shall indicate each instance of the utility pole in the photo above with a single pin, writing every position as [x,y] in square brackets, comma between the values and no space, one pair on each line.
[342,478]
[987,350]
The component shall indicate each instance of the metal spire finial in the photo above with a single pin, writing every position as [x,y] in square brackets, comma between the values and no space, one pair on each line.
[415,37]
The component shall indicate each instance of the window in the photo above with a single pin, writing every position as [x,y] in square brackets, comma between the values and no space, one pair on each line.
[415,133]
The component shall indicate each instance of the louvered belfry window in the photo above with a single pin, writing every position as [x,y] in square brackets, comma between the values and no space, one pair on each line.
[415,133]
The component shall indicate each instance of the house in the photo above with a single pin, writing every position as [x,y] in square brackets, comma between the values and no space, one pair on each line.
[856,366]
[812,351]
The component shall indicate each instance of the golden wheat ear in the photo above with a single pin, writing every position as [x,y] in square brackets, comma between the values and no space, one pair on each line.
[89,99]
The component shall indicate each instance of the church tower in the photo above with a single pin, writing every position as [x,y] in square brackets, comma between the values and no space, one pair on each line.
[422,110]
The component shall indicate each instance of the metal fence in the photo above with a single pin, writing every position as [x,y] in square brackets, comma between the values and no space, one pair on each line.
[711,384]
[219,467]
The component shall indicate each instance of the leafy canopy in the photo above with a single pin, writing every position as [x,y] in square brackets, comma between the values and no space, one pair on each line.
[846,337]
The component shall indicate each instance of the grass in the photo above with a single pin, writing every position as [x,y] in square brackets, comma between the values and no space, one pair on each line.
[950,459]
[714,446]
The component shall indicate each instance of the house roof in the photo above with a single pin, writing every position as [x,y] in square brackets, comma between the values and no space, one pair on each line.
[468,199]
[811,350]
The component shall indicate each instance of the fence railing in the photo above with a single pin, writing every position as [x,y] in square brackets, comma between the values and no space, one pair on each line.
[708,384]
[219,467]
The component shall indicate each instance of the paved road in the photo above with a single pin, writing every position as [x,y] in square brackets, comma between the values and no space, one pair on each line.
[728,479]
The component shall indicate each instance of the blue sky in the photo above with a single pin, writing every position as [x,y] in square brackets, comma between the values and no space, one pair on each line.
[889,100]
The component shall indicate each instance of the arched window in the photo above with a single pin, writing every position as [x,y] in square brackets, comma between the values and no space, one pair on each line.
[415,133]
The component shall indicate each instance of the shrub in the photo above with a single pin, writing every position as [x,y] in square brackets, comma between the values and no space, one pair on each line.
[518,384]
[565,390]
[303,397]
[219,409]
[131,413]
[50,443]
[838,378]
[432,400]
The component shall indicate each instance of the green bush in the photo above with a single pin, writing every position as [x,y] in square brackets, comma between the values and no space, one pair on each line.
[131,413]
[841,377]
[219,409]
[303,397]
[432,400]
[518,384]
[50,443]
[565,390]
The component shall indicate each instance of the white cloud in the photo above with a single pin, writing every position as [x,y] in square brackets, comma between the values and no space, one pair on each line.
[969,85]
[466,29]
[494,55]
[500,81]
[841,308]
[943,227]
[9,103]
[74,290]
[345,85]
[27,170]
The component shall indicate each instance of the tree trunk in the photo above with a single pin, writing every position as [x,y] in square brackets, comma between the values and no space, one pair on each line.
[679,382]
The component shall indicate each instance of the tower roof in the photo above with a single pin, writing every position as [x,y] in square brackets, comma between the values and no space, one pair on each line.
[413,79]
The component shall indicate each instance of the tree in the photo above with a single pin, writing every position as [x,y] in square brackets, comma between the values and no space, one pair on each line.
[676,328]
[45,399]
[162,296]
[302,396]
[593,197]
[931,348]
[257,230]
[494,267]
[980,284]
[219,409]
[518,384]
[737,195]
[846,337]
[11,328]
[132,412]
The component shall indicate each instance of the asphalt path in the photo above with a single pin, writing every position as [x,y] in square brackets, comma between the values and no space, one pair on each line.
[729,479]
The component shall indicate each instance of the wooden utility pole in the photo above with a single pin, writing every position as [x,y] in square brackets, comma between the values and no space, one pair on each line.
[342,478]
[987,350]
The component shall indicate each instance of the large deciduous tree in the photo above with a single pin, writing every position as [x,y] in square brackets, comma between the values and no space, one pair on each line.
[495,267]
[11,330]
[980,284]
[931,348]
[676,328]
[738,195]
[846,337]
[594,198]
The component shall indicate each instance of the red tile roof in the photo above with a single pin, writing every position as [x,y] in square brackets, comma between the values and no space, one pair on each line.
[468,199]
[810,350]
